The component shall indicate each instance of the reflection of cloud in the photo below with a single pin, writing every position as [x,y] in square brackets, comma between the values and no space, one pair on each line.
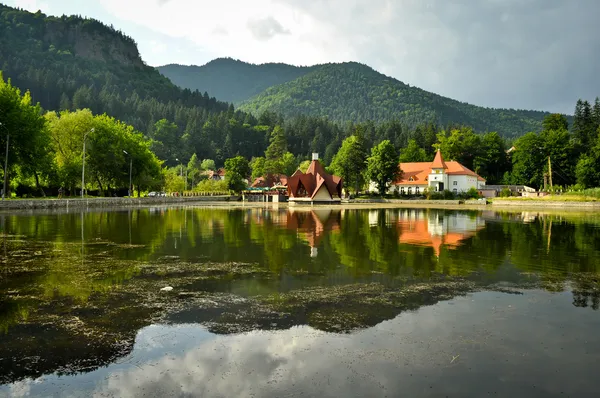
[20,389]
[410,355]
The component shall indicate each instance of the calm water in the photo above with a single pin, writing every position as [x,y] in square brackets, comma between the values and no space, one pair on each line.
[278,303]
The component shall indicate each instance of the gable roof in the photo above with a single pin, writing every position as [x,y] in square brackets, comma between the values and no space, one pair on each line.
[314,178]
[270,181]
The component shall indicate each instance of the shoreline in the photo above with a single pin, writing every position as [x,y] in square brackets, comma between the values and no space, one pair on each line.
[34,205]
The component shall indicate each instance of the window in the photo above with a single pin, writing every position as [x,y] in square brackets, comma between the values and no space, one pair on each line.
[417,190]
[402,190]
[409,190]
[455,190]
[455,183]
[411,179]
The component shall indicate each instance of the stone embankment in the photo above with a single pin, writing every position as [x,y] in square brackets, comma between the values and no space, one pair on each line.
[78,203]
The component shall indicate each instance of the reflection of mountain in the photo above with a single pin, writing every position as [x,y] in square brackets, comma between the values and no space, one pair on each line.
[436,230]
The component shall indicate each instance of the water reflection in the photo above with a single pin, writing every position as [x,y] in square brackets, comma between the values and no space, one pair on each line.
[78,287]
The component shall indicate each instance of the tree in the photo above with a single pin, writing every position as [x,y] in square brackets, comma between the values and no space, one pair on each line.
[350,161]
[193,169]
[257,164]
[382,165]
[304,165]
[555,121]
[236,170]
[529,160]
[208,164]
[492,161]
[596,113]
[462,145]
[278,145]
[29,140]
[413,153]
[289,164]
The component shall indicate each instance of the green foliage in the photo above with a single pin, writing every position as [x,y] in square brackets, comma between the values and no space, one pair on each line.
[413,153]
[304,165]
[257,165]
[382,165]
[208,164]
[505,193]
[26,132]
[174,182]
[350,162]
[212,186]
[236,170]
[352,92]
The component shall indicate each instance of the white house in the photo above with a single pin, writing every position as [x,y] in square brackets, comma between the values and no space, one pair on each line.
[436,176]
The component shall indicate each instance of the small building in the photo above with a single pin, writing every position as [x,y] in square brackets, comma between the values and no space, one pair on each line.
[314,186]
[217,175]
[492,191]
[438,175]
[270,181]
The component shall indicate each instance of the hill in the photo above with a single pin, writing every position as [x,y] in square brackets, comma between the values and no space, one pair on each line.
[232,80]
[353,92]
[71,62]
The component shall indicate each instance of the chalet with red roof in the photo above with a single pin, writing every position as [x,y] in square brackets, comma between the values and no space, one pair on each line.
[438,175]
[314,186]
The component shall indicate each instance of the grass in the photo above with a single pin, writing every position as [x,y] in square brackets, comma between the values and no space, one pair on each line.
[587,195]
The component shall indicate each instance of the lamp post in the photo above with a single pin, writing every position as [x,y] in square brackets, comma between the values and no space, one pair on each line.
[180,167]
[129,191]
[5,161]
[83,163]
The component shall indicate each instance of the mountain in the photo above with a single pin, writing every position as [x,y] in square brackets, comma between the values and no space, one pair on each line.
[344,92]
[71,62]
[355,92]
[232,80]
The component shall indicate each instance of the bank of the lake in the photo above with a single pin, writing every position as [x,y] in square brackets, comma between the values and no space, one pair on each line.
[85,203]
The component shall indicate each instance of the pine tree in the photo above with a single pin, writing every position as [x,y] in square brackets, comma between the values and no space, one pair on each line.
[596,113]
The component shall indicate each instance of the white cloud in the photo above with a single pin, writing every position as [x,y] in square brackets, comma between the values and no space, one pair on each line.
[238,29]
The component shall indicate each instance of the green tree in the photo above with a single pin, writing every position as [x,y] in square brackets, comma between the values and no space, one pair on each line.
[289,164]
[382,165]
[462,145]
[492,161]
[555,121]
[208,164]
[236,170]
[193,169]
[257,164]
[413,153]
[304,165]
[278,145]
[28,137]
[350,161]
[529,161]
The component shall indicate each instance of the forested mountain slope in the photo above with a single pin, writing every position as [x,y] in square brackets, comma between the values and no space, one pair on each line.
[232,80]
[355,92]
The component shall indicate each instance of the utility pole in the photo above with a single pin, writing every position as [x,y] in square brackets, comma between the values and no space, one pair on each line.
[550,172]
[130,190]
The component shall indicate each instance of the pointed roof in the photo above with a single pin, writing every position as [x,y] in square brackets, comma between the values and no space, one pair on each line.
[314,178]
[438,162]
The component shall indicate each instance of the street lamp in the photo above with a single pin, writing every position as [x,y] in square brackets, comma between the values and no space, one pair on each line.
[130,168]
[5,161]
[181,172]
[83,163]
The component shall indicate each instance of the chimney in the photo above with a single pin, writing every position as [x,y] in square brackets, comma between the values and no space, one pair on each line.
[315,156]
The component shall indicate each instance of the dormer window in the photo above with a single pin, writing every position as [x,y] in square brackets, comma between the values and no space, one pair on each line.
[411,179]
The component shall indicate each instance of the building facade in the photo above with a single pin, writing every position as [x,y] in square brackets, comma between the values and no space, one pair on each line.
[438,176]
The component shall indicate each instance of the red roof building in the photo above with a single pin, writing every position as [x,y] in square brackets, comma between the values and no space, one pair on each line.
[314,186]
[270,181]
[438,175]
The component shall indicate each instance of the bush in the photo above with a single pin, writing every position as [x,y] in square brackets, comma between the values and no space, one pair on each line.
[505,193]
[212,186]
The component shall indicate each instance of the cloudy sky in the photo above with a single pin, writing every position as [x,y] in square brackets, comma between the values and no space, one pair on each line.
[533,54]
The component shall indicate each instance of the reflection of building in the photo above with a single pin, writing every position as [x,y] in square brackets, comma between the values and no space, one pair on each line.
[314,186]
[436,229]
[313,225]
[310,224]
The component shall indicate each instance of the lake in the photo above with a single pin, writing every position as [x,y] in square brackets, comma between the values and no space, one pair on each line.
[273,302]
